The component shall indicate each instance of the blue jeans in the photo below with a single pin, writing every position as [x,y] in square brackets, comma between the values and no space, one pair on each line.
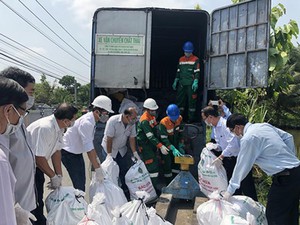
[75,166]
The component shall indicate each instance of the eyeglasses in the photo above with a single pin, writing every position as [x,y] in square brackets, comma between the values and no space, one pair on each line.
[25,110]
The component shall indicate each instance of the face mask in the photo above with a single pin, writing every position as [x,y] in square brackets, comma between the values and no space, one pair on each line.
[11,128]
[207,123]
[132,122]
[30,102]
[187,54]
[103,118]
[152,113]
[72,123]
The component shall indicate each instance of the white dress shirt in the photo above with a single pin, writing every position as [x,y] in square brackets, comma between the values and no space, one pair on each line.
[46,136]
[22,161]
[116,129]
[79,138]
[262,144]
[7,185]
[227,141]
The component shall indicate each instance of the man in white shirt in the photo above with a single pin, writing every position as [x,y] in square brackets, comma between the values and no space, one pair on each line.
[79,139]
[118,130]
[47,134]
[12,110]
[229,147]
[22,156]
[273,150]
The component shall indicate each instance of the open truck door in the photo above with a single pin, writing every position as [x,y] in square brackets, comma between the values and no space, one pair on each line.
[238,48]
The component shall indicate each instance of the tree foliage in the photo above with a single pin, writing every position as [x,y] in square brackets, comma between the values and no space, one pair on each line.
[54,94]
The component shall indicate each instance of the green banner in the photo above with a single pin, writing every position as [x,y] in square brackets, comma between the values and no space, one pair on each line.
[112,44]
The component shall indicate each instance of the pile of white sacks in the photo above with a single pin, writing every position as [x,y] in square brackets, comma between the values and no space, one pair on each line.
[109,206]
[239,210]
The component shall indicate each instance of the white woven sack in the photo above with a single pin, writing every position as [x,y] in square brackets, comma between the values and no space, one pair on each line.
[97,212]
[57,196]
[213,211]
[114,195]
[237,220]
[138,178]
[111,169]
[154,219]
[62,215]
[244,204]
[135,211]
[119,218]
[211,178]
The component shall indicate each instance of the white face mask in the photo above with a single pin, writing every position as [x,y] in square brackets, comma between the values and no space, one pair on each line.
[207,123]
[30,102]
[11,128]
[103,118]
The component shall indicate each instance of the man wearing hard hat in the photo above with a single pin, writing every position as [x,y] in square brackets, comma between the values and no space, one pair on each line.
[147,141]
[79,139]
[186,81]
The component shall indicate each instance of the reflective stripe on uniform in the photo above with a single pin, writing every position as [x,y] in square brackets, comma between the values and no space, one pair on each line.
[178,70]
[181,108]
[149,134]
[197,70]
[168,175]
[187,63]
[175,171]
[149,161]
[192,110]
[163,136]
[170,130]
[153,175]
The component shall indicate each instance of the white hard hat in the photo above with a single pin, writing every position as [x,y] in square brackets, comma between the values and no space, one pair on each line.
[150,103]
[103,102]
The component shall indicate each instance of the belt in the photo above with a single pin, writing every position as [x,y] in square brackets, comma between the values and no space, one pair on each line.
[285,172]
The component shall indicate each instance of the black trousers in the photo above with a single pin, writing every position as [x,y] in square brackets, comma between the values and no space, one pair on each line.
[283,198]
[75,166]
[39,211]
[247,187]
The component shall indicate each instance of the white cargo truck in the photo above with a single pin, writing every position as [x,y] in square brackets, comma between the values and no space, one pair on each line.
[137,49]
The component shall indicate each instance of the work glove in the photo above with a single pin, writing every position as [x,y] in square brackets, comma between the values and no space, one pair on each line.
[55,182]
[226,196]
[195,85]
[99,174]
[23,216]
[174,85]
[211,146]
[164,150]
[108,156]
[181,148]
[175,151]
[217,162]
[136,155]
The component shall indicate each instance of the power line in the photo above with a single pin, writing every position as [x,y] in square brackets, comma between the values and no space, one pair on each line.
[31,56]
[43,33]
[18,59]
[25,64]
[61,26]
[21,65]
[52,30]
[41,55]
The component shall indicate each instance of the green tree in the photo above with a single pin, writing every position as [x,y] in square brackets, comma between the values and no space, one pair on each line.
[43,91]
[83,96]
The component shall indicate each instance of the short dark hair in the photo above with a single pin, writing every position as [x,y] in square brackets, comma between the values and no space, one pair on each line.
[12,93]
[65,111]
[236,119]
[129,111]
[18,75]
[210,111]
